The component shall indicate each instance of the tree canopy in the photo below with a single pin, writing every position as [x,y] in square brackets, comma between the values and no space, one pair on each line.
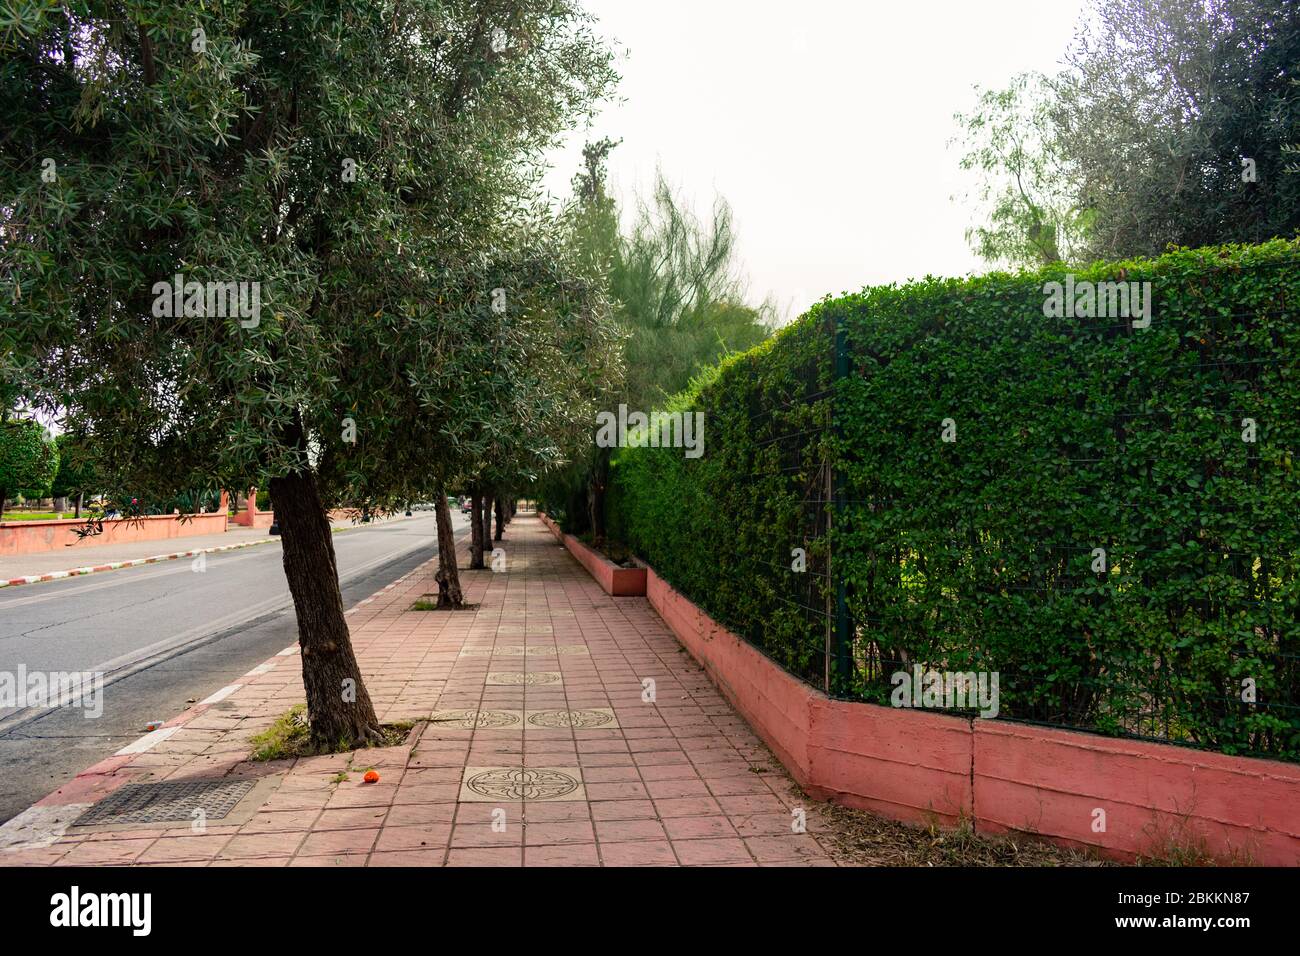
[243,238]
[1174,123]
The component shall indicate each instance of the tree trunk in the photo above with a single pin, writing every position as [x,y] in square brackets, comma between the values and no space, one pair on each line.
[448,576]
[81,495]
[485,516]
[3,493]
[476,530]
[596,497]
[338,706]
[501,518]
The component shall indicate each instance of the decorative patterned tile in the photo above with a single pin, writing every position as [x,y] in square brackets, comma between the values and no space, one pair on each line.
[590,718]
[512,678]
[507,784]
[476,719]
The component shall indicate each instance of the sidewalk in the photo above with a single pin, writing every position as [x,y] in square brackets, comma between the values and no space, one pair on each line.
[542,747]
[87,558]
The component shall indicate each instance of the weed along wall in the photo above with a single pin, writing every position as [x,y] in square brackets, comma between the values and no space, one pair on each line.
[1020,548]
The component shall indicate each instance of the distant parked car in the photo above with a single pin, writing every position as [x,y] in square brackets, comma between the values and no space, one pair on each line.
[465,506]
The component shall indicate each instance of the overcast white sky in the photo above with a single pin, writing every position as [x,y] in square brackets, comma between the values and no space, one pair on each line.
[825,124]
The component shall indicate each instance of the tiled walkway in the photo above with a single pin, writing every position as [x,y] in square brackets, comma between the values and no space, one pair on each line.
[568,729]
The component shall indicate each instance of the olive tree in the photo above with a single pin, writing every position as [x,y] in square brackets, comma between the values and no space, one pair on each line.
[228,225]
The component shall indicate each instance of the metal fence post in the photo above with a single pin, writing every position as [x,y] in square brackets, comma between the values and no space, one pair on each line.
[843,645]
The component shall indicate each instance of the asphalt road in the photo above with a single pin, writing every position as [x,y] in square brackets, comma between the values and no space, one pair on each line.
[162,635]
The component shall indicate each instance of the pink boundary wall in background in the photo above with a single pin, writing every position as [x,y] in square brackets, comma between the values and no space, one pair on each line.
[917,765]
[31,537]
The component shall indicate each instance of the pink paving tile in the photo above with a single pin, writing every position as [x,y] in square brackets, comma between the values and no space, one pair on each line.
[183,848]
[582,854]
[650,853]
[415,858]
[351,818]
[332,842]
[417,814]
[483,834]
[486,856]
[711,852]
[542,834]
[623,810]
[670,786]
[622,831]
[696,828]
[339,859]
[790,847]
[687,807]
[434,835]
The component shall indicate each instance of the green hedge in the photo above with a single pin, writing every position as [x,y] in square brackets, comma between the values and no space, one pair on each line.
[721,527]
[1072,434]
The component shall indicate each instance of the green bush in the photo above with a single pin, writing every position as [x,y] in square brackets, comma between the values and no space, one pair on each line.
[1072,434]
[721,527]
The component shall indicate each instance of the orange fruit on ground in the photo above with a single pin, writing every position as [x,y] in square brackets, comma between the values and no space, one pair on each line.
[371,777]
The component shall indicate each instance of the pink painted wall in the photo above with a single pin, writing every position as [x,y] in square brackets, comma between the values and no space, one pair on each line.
[31,537]
[615,581]
[1042,780]
[551,526]
[918,765]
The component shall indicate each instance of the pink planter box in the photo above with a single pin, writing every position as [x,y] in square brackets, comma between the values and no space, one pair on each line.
[616,581]
[551,526]
[31,537]
[917,765]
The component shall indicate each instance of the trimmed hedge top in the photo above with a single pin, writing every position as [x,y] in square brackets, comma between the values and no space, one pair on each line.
[1098,503]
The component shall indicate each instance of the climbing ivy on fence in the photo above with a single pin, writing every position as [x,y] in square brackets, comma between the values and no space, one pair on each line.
[1104,511]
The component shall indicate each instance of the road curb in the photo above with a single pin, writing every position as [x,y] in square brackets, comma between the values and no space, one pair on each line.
[134,562]
[45,821]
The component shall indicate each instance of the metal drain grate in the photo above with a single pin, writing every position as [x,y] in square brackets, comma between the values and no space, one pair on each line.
[165,802]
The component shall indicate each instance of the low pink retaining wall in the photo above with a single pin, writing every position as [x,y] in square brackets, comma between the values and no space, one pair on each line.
[551,526]
[31,537]
[616,581]
[915,765]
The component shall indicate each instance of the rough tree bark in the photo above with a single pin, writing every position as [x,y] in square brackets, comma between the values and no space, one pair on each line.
[485,516]
[338,706]
[596,497]
[81,496]
[448,576]
[476,530]
[501,518]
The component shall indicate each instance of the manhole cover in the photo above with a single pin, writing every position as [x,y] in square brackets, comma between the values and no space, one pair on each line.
[163,802]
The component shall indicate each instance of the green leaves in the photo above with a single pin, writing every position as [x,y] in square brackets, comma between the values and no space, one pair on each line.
[225,161]
[1072,435]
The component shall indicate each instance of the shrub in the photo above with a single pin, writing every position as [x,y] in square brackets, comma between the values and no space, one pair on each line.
[1071,435]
